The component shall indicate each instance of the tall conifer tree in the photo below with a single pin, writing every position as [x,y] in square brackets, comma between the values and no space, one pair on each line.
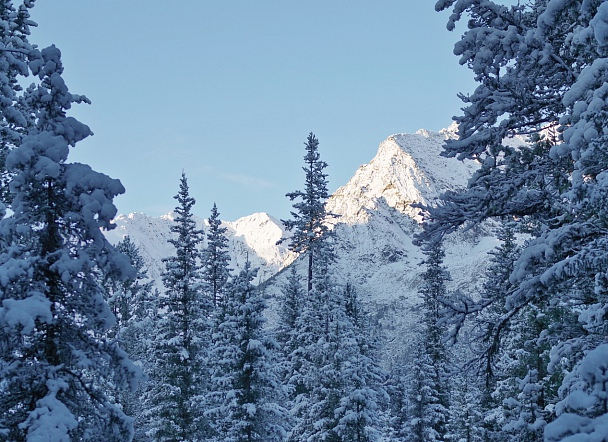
[181,333]
[215,258]
[290,309]
[134,304]
[362,384]
[16,118]
[312,376]
[244,388]
[540,68]
[429,383]
[309,218]
[55,360]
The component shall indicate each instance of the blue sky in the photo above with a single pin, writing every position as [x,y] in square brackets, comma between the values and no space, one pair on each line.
[229,90]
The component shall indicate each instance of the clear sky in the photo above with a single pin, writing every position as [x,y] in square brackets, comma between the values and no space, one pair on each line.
[228,90]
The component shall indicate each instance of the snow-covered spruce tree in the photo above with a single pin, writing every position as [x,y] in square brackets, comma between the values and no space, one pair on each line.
[134,304]
[466,421]
[215,258]
[291,302]
[336,383]
[429,387]
[486,337]
[422,386]
[309,218]
[496,288]
[131,300]
[399,389]
[182,335]
[541,63]
[362,390]
[313,401]
[528,387]
[583,413]
[308,343]
[15,53]
[244,389]
[55,361]
[491,346]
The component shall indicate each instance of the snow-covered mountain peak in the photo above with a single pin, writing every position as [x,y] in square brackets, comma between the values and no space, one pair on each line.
[407,169]
[252,238]
[261,232]
[373,233]
[256,219]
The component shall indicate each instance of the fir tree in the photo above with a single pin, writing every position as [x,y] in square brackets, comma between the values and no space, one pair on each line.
[363,393]
[55,361]
[291,303]
[16,118]
[539,65]
[131,300]
[338,385]
[215,258]
[134,304]
[181,333]
[427,416]
[308,224]
[466,422]
[400,406]
[493,351]
[244,387]
[429,388]
[312,377]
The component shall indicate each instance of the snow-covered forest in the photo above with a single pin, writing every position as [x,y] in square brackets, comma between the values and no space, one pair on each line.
[94,349]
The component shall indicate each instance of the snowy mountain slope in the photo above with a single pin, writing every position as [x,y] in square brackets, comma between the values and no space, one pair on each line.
[408,168]
[253,237]
[374,231]
[376,225]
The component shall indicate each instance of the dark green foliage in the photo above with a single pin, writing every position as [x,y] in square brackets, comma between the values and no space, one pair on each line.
[244,386]
[541,71]
[290,309]
[309,218]
[135,305]
[57,367]
[215,259]
[428,381]
[181,333]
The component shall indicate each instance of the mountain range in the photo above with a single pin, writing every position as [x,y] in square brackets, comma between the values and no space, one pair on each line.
[375,227]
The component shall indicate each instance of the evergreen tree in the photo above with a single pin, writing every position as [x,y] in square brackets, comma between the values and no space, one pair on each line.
[488,336]
[311,375]
[291,303]
[131,300]
[528,387]
[429,388]
[496,288]
[337,384]
[55,360]
[215,270]
[308,224]
[363,393]
[540,64]
[491,341]
[182,332]
[134,305]
[427,416]
[311,378]
[333,380]
[400,406]
[466,422]
[244,385]
[16,118]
